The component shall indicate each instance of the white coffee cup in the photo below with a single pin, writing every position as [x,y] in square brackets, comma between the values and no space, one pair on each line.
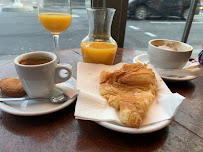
[162,57]
[39,80]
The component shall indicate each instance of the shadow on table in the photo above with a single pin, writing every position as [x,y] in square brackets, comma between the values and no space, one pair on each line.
[96,137]
[60,130]
[41,127]
[184,88]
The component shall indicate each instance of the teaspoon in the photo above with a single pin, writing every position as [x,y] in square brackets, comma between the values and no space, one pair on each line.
[60,98]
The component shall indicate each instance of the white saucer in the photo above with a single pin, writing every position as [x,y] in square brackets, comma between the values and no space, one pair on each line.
[143,58]
[34,108]
[141,130]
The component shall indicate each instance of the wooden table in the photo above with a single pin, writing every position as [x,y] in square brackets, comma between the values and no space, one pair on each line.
[59,131]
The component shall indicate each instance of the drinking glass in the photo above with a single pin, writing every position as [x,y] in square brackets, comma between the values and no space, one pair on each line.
[56,17]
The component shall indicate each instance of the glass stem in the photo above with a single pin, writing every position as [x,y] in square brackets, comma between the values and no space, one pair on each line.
[56,48]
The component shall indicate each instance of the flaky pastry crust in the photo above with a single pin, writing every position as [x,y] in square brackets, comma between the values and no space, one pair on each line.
[131,90]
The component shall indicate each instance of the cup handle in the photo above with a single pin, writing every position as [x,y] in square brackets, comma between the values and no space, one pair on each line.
[58,77]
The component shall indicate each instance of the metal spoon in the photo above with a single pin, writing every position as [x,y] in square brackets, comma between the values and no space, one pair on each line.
[60,98]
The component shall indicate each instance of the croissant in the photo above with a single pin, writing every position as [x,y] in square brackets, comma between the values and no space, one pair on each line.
[130,90]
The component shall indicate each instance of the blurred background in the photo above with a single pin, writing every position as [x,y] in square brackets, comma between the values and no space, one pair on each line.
[21,31]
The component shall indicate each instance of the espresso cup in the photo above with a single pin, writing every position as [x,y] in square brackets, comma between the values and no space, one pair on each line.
[39,72]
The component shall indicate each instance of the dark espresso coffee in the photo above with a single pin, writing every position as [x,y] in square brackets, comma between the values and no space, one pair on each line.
[35,61]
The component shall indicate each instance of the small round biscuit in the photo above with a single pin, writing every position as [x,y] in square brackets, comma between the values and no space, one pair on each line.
[12,87]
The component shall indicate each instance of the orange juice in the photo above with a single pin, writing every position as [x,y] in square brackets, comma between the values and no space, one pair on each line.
[98,52]
[55,22]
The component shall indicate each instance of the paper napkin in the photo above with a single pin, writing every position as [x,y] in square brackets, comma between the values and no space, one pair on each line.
[91,106]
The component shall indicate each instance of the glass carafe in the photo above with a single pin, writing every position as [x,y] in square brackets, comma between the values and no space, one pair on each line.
[98,46]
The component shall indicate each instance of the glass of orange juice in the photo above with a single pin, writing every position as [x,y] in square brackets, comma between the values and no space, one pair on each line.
[55,17]
[98,46]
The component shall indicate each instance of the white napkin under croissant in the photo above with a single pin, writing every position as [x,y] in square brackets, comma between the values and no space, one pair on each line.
[91,106]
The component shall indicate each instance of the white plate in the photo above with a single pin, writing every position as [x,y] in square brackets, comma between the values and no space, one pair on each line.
[141,130]
[34,108]
[143,58]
